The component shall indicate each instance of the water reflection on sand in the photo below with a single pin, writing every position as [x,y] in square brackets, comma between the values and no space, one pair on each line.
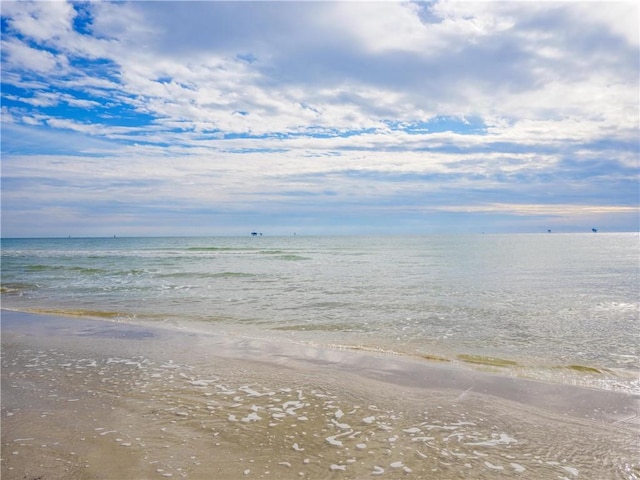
[175,405]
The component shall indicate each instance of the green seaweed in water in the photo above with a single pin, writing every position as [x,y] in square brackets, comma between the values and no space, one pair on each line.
[434,358]
[583,369]
[482,360]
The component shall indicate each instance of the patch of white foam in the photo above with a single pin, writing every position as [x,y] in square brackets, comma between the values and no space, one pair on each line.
[411,430]
[342,426]
[503,439]
[199,383]
[333,440]
[252,417]
[571,470]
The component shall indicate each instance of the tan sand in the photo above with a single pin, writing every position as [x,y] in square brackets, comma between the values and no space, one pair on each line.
[98,400]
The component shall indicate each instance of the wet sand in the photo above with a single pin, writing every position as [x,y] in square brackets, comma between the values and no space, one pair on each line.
[89,399]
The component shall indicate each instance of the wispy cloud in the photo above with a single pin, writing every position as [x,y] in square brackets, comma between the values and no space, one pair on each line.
[149,116]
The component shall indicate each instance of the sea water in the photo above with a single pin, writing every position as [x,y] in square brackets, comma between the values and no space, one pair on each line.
[557,307]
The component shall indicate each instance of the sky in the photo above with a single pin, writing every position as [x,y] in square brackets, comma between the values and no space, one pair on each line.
[222,118]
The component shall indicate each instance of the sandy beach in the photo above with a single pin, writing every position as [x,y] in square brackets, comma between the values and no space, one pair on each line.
[90,399]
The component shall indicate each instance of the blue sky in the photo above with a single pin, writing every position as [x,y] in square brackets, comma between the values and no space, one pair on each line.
[221,118]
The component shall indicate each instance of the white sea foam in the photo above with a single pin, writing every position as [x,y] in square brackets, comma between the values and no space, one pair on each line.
[573,471]
[332,441]
[502,439]
[412,430]
[252,417]
[342,426]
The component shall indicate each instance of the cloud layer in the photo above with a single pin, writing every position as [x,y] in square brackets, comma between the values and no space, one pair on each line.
[319,117]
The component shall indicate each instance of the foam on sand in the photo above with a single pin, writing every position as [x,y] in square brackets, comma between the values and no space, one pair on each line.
[174,404]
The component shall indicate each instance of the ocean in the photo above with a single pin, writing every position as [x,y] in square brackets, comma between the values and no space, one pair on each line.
[555,307]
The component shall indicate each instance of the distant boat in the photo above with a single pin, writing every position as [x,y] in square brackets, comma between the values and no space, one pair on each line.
[594,230]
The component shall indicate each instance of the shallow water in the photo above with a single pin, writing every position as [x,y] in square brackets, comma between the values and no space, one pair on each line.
[562,308]
[172,404]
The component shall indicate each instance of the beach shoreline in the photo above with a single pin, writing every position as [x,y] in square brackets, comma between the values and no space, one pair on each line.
[99,399]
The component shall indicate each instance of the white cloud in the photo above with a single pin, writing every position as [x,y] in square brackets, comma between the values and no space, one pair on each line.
[327,89]
[40,21]
[352,64]
[21,56]
[560,210]
[379,26]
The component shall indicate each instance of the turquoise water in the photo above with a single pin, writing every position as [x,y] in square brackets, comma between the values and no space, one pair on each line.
[560,307]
